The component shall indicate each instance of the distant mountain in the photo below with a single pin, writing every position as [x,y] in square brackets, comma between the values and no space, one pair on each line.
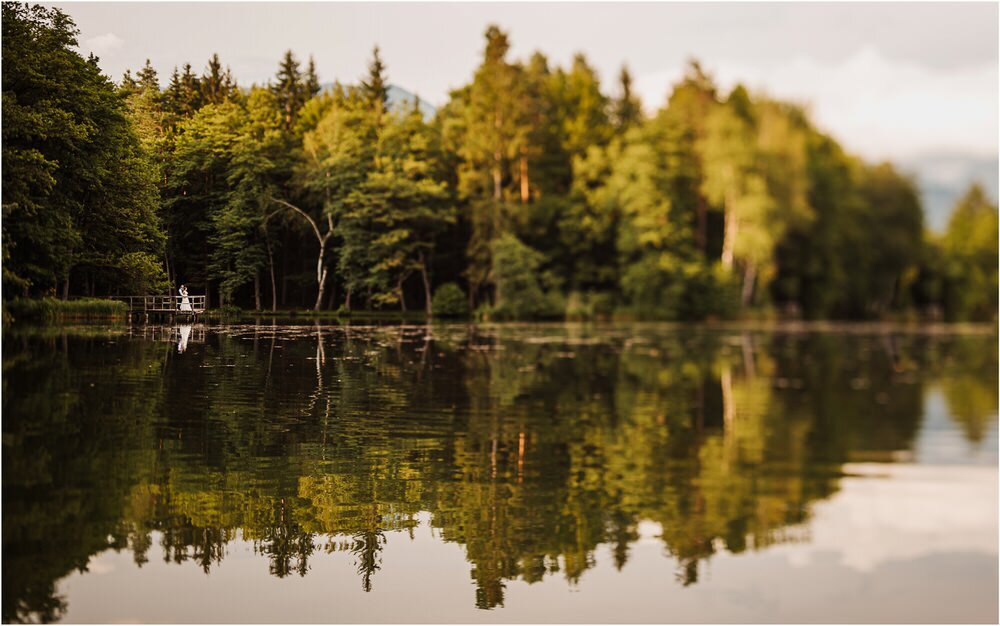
[944,177]
[400,98]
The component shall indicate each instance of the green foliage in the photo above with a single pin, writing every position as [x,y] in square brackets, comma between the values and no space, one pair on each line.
[332,199]
[450,301]
[51,309]
[589,305]
[79,193]
[679,291]
[257,164]
[522,292]
[969,247]
[626,108]
[291,90]
[375,89]
[405,203]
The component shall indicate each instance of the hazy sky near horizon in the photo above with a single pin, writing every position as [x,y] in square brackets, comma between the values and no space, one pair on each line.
[889,80]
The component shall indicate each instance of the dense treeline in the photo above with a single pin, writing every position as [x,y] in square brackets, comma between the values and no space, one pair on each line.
[531,191]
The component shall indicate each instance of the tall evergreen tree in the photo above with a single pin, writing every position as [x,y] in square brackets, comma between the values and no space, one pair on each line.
[374,88]
[173,95]
[191,95]
[289,90]
[214,87]
[147,78]
[128,84]
[312,80]
[229,86]
[626,108]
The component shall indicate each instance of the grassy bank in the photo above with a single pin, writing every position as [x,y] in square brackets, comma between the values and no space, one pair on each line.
[53,310]
[230,314]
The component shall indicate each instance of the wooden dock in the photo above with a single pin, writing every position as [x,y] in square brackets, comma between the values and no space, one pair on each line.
[163,307]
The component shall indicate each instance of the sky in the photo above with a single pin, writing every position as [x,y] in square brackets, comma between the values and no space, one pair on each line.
[894,80]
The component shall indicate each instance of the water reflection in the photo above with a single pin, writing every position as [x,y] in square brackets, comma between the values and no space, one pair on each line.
[183,334]
[530,447]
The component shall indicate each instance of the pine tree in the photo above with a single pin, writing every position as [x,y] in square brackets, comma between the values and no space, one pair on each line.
[214,89]
[128,85]
[147,78]
[312,80]
[289,90]
[191,98]
[626,109]
[173,95]
[375,90]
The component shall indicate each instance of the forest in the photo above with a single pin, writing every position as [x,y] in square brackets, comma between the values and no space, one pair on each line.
[530,194]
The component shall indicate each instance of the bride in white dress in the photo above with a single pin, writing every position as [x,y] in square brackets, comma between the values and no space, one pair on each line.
[185,303]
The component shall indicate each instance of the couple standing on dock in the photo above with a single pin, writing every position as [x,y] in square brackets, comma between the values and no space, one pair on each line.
[185,303]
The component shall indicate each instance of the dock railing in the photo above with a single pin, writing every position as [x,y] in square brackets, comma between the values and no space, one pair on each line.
[164,304]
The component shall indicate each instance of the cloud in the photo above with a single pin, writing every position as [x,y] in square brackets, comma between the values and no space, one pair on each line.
[886,513]
[875,106]
[103,45]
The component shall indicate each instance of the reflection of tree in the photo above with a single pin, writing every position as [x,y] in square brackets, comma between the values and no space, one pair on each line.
[366,551]
[69,459]
[530,448]
[970,386]
[287,547]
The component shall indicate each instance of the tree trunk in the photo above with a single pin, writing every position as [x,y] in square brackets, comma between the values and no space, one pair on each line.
[284,272]
[728,410]
[208,289]
[729,240]
[65,288]
[320,275]
[497,158]
[332,298]
[702,232]
[270,263]
[525,186]
[749,274]
[256,290]
[428,300]
[497,180]
[402,297]
[347,300]
[746,343]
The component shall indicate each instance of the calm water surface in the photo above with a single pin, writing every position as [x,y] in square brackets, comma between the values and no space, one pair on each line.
[627,473]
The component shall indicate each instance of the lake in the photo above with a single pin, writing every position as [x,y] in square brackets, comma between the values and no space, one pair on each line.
[500,473]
